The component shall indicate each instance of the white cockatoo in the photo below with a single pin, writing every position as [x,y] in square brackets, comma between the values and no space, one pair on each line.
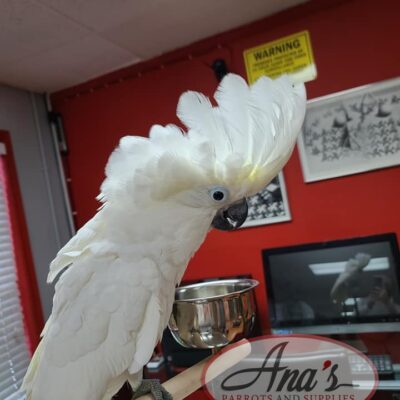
[161,196]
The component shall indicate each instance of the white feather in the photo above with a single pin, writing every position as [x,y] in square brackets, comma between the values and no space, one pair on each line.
[148,336]
[76,246]
[232,97]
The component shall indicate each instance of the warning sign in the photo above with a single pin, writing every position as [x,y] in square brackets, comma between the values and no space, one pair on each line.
[288,55]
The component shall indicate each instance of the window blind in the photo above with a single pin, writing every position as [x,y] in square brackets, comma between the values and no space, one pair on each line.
[14,352]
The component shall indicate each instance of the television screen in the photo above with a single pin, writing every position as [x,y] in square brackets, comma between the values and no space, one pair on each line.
[342,286]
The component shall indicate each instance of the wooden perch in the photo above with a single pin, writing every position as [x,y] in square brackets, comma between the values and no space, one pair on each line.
[187,382]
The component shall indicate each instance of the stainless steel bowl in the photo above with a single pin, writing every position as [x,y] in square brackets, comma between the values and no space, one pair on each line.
[213,314]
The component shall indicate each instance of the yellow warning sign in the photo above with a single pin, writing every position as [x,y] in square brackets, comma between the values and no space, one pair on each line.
[288,55]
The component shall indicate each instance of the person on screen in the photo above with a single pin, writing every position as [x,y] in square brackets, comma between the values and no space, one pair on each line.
[380,300]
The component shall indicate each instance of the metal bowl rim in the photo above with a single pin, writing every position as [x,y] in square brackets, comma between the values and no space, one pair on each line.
[253,284]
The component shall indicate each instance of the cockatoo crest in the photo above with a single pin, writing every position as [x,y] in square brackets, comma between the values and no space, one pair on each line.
[242,143]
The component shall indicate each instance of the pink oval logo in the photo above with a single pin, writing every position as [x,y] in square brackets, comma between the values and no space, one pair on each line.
[293,367]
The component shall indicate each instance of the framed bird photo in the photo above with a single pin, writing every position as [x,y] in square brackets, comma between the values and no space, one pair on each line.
[350,132]
[270,205]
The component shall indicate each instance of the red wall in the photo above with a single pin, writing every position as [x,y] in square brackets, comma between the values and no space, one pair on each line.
[354,43]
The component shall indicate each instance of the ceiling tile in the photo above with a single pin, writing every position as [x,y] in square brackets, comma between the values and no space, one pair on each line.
[103,14]
[70,64]
[180,22]
[91,56]
[28,28]
[32,76]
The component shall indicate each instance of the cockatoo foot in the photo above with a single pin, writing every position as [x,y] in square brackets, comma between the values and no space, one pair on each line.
[154,387]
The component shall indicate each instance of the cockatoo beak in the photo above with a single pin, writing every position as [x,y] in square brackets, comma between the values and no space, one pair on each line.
[231,217]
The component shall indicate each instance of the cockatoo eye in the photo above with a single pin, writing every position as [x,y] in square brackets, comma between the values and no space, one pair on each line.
[219,194]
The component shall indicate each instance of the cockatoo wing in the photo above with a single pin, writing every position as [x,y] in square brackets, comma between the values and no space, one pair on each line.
[105,321]
[76,246]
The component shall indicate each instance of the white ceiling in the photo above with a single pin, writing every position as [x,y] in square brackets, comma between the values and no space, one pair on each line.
[48,45]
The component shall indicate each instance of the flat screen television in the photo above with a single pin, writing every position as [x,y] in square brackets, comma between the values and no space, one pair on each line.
[336,287]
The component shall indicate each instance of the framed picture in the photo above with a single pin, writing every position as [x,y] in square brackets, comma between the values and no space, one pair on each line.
[352,131]
[270,205]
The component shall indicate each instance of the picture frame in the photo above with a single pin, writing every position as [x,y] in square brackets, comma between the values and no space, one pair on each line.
[269,206]
[352,131]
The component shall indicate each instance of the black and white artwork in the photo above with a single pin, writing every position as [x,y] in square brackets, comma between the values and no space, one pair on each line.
[350,132]
[270,205]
